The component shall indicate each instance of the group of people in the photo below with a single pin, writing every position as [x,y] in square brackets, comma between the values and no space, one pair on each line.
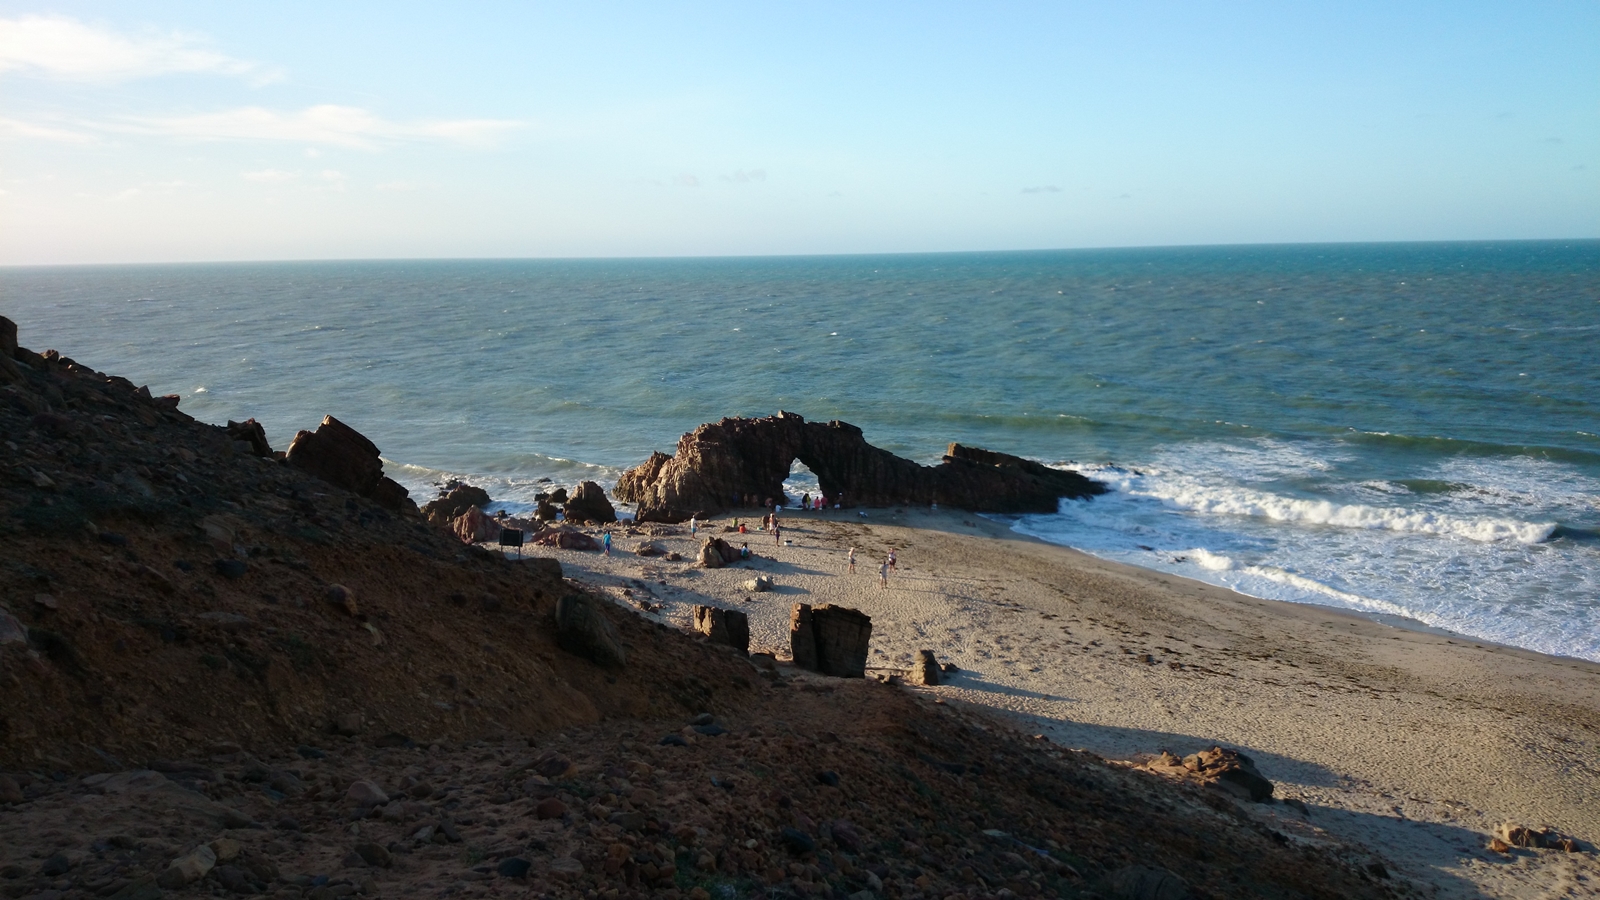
[884,568]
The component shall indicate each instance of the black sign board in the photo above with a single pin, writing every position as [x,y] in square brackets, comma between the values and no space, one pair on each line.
[511,537]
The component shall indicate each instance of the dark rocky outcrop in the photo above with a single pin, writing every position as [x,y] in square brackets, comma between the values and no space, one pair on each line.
[475,527]
[830,639]
[719,464]
[456,498]
[583,630]
[723,626]
[250,432]
[588,503]
[1228,770]
[342,456]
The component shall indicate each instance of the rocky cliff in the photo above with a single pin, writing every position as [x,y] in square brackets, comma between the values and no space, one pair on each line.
[740,462]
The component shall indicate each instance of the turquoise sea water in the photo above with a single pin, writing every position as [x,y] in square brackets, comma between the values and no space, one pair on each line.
[1408,429]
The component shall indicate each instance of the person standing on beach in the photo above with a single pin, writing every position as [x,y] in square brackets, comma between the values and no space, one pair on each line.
[607,541]
[852,560]
[890,561]
[777,534]
[805,500]
[694,526]
[883,574]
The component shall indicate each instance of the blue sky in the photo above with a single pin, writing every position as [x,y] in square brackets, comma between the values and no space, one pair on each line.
[167,131]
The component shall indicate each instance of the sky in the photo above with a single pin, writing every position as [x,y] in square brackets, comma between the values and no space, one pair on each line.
[189,131]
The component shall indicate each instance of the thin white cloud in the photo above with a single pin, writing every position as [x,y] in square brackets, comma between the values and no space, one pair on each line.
[60,47]
[269,176]
[328,125]
[686,180]
[21,129]
[1042,189]
[745,177]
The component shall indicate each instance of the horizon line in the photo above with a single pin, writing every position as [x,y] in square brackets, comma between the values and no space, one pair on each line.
[754,256]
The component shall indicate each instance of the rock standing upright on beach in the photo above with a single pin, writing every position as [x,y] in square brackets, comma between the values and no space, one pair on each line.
[925,670]
[723,626]
[588,503]
[830,639]
[802,637]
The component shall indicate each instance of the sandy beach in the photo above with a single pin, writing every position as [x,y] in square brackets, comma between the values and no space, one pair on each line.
[1416,744]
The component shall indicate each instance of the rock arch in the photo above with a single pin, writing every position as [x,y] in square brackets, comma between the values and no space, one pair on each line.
[720,463]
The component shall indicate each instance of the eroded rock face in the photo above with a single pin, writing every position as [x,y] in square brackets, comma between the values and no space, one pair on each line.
[342,456]
[589,504]
[457,498]
[718,465]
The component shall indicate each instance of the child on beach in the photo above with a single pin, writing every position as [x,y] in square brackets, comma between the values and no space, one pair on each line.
[883,574]
[607,541]
[777,534]
[852,560]
[890,561]
[744,551]
[694,526]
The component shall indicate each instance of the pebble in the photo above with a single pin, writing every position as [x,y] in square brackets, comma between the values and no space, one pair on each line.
[797,841]
[552,765]
[10,791]
[710,730]
[374,855]
[365,793]
[513,867]
[230,568]
[828,777]
[565,867]
[673,740]
[342,597]
[550,808]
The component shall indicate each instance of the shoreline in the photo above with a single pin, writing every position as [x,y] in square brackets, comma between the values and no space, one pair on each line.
[1416,743]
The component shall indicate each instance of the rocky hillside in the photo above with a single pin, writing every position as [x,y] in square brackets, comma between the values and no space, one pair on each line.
[220,672]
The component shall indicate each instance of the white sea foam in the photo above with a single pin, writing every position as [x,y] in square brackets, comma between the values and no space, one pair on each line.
[1456,559]
[1185,492]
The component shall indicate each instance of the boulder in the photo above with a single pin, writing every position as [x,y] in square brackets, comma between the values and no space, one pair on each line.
[1230,770]
[456,498]
[723,626]
[8,337]
[544,511]
[720,462]
[646,548]
[583,630]
[925,670]
[188,868]
[758,585]
[842,637]
[716,553]
[589,504]
[564,539]
[475,527]
[250,432]
[341,456]
[802,637]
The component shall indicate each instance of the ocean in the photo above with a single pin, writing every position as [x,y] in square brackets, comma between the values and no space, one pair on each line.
[1403,430]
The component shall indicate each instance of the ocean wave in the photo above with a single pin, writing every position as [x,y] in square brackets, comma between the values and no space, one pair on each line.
[1189,495]
[1457,446]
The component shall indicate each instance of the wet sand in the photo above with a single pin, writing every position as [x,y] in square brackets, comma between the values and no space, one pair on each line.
[1416,744]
